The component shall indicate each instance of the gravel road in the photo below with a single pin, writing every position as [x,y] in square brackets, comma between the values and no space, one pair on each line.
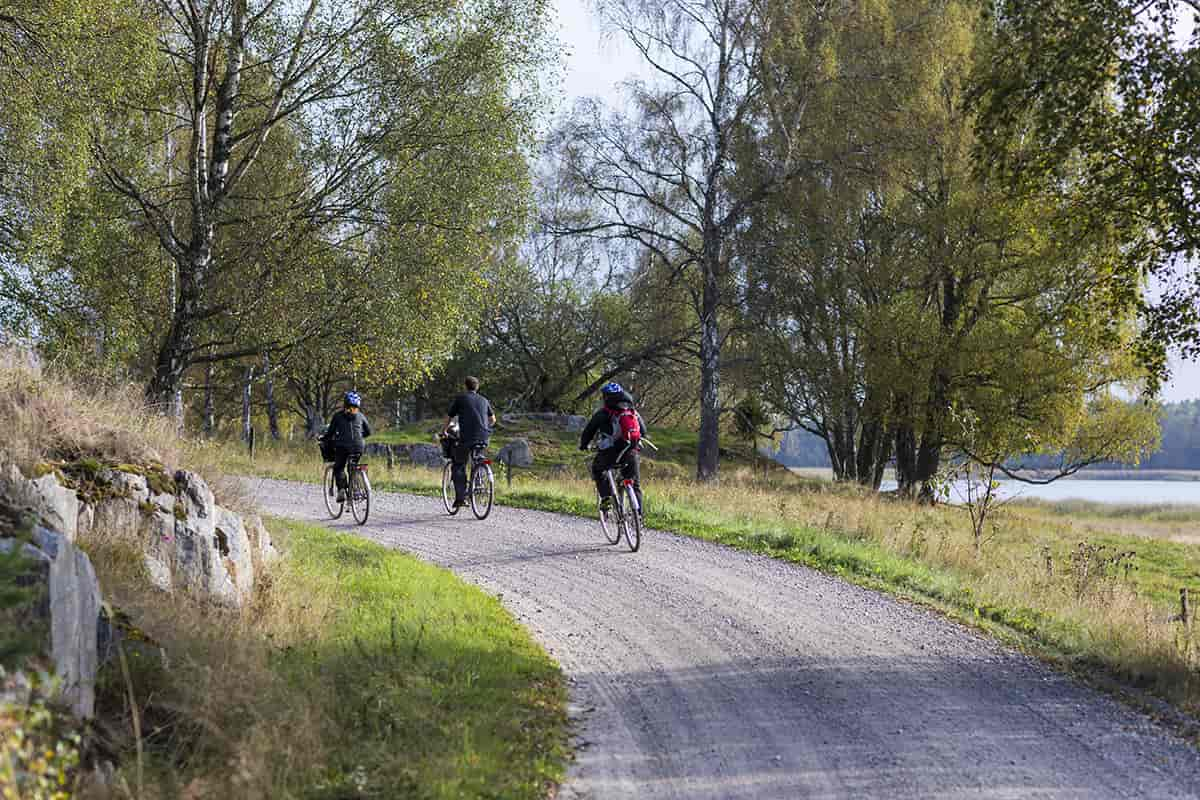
[698,671]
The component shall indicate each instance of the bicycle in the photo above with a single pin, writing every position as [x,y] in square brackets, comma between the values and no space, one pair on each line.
[481,483]
[626,509]
[357,495]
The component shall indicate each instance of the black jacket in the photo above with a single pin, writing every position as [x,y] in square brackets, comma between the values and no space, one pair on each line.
[473,411]
[602,421]
[348,430]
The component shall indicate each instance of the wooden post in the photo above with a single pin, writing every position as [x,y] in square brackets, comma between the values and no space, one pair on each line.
[391,458]
[251,439]
[508,470]
[1185,619]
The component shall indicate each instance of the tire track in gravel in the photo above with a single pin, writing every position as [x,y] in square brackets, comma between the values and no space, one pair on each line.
[699,671]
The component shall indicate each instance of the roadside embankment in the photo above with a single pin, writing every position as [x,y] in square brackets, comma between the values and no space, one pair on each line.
[159,639]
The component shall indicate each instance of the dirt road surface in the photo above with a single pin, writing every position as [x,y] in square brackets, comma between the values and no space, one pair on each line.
[698,671]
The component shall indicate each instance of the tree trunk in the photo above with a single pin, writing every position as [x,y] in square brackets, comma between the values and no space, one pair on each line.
[210,423]
[929,454]
[269,389]
[869,448]
[313,420]
[165,389]
[420,403]
[247,385]
[885,454]
[708,450]
[906,460]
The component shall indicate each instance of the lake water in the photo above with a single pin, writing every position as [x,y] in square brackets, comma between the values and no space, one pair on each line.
[1117,492]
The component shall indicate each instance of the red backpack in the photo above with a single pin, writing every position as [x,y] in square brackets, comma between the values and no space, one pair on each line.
[626,427]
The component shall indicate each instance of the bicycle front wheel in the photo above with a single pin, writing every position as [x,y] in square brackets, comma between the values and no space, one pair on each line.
[329,491]
[483,490]
[448,488]
[608,524]
[633,520]
[360,496]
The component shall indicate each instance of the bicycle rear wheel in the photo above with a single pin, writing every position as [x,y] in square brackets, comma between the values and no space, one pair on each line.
[608,519]
[329,491]
[483,490]
[448,488]
[360,496]
[633,520]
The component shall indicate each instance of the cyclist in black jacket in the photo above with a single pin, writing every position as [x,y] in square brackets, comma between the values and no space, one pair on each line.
[346,431]
[612,451]
[476,418]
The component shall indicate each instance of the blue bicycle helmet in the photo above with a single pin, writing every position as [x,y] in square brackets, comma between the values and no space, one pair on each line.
[611,388]
[352,399]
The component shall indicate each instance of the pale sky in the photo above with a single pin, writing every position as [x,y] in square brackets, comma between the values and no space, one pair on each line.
[594,64]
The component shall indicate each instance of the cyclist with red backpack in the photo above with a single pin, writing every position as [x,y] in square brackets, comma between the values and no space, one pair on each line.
[618,429]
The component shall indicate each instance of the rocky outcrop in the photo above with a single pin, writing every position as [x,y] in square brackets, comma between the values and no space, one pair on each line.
[56,505]
[263,550]
[187,543]
[516,453]
[68,598]
[233,550]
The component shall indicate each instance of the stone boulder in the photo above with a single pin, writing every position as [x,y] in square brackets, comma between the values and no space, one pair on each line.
[70,599]
[568,422]
[425,455]
[377,450]
[54,504]
[260,540]
[201,563]
[518,453]
[236,554]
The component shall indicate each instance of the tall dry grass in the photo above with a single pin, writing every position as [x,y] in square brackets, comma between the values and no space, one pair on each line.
[215,719]
[49,416]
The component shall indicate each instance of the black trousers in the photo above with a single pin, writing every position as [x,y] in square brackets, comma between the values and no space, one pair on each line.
[341,456]
[460,456]
[630,469]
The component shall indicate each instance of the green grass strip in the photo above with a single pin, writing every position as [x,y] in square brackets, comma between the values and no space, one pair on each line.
[435,690]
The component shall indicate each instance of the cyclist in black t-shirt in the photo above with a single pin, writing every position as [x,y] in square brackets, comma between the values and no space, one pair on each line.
[476,418]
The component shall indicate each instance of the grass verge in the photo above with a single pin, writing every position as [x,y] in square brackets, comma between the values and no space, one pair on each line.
[358,672]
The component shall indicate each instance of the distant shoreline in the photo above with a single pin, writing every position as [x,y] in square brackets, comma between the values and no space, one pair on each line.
[1175,475]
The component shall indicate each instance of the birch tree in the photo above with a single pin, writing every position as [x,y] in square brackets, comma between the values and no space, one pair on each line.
[668,174]
[356,85]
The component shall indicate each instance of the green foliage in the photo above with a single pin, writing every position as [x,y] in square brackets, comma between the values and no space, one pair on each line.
[913,305]
[368,200]
[39,751]
[62,62]
[1105,92]
[23,632]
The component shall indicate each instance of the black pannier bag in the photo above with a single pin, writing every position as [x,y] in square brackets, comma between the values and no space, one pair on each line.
[448,443]
[327,453]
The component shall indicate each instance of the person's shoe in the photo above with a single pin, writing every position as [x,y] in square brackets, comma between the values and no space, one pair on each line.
[341,497]
[459,503]
[606,504]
